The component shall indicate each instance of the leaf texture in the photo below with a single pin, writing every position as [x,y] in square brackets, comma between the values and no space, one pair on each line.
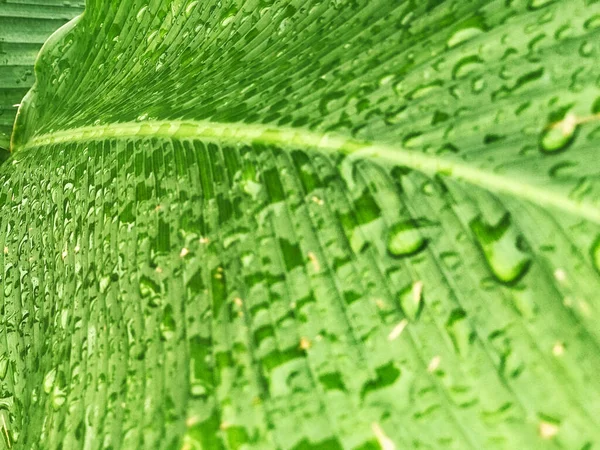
[24,27]
[306,225]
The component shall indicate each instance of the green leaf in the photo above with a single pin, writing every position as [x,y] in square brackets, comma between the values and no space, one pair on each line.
[24,27]
[306,225]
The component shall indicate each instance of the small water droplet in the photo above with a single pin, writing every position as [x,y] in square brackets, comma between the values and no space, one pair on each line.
[586,49]
[3,367]
[148,287]
[595,253]
[536,4]
[425,89]
[451,260]
[411,300]
[564,169]
[463,35]
[49,381]
[140,15]
[167,326]
[592,23]
[478,85]
[459,331]
[412,140]
[466,66]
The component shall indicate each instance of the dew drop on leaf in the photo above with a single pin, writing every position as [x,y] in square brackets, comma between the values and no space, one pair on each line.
[478,85]
[413,140]
[595,253]
[557,138]
[424,90]
[466,65]
[190,8]
[3,366]
[140,14]
[592,23]
[501,246]
[405,239]
[459,331]
[536,4]
[49,380]
[586,49]
[148,287]
[463,35]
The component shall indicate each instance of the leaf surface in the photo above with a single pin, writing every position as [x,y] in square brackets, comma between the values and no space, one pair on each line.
[24,27]
[306,225]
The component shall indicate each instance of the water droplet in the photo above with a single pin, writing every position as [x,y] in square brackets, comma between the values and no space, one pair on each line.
[58,397]
[405,239]
[49,381]
[524,301]
[227,20]
[502,248]
[466,66]
[536,4]
[104,283]
[386,79]
[411,300]
[424,90]
[412,140]
[478,85]
[167,326]
[459,331]
[148,287]
[3,367]
[557,137]
[140,15]
[451,260]
[592,23]
[564,169]
[190,8]
[564,32]
[586,49]
[595,253]
[463,35]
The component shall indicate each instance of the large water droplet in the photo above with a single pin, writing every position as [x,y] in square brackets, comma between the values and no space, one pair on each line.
[405,238]
[558,136]
[502,248]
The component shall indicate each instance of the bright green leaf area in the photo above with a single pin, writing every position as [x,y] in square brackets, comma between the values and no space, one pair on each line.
[302,225]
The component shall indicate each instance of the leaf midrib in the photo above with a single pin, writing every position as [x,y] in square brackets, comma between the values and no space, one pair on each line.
[331,143]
